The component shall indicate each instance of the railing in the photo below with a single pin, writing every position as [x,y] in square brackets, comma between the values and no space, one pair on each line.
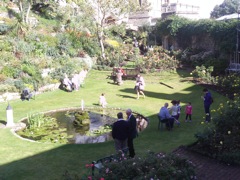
[234,66]
[236,57]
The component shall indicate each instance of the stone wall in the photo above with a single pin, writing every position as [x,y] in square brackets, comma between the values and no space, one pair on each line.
[50,87]
[198,42]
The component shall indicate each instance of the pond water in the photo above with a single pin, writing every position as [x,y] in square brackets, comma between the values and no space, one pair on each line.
[86,134]
[96,131]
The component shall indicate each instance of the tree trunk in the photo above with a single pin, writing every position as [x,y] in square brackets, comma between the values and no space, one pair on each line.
[20,6]
[28,11]
[100,38]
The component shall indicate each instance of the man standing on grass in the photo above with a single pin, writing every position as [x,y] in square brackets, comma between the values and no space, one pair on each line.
[120,132]
[207,101]
[132,123]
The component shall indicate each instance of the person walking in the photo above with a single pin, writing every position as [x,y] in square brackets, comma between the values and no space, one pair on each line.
[132,123]
[139,86]
[188,111]
[120,132]
[207,101]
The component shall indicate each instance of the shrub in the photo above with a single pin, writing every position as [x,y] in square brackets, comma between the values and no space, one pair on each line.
[222,140]
[4,29]
[233,81]
[8,71]
[7,88]
[19,84]
[151,166]
[6,57]
[203,74]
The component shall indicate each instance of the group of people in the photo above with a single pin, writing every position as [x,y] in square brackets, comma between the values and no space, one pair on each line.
[124,132]
[75,82]
[139,88]
[171,115]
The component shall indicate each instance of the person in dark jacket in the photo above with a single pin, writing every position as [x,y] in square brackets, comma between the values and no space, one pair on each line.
[207,101]
[120,132]
[132,123]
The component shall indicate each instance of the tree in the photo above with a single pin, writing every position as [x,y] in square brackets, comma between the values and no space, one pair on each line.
[227,7]
[99,12]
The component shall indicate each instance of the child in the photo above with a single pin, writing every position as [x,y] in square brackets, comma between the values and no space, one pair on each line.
[179,110]
[188,111]
[174,110]
[102,100]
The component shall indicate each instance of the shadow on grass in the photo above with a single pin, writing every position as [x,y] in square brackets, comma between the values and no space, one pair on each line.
[170,96]
[125,96]
[3,122]
[52,164]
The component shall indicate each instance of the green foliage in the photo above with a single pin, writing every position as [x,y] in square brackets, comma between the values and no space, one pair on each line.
[9,71]
[222,139]
[231,80]
[159,59]
[6,57]
[29,69]
[37,120]
[7,88]
[4,29]
[48,10]
[222,32]
[171,25]
[219,65]
[65,45]
[151,166]
[227,7]
[19,84]
[44,129]
[203,74]
[224,35]
[84,41]
[81,118]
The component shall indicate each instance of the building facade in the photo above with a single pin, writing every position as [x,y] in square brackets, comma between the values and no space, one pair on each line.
[162,9]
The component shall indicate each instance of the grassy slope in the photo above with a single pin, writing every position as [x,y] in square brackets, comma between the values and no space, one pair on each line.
[20,159]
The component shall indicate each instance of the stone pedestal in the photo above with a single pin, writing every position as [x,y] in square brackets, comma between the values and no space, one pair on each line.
[9,112]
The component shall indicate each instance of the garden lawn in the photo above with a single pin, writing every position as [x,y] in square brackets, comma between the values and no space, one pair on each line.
[21,159]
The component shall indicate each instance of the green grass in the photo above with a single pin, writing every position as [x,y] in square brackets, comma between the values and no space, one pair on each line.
[21,159]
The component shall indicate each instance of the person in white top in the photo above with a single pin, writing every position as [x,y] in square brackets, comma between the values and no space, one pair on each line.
[174,111]
[139,86]
[102,100]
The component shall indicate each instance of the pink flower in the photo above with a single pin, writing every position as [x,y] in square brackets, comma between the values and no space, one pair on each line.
[89,165]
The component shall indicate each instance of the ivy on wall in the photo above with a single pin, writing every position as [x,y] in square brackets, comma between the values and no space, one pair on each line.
[223,33]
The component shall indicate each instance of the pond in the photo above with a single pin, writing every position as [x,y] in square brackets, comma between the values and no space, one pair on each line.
[64,131]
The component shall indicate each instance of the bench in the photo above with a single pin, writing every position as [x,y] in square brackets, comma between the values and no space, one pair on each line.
[233,67]
[99,164]
[128,73]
